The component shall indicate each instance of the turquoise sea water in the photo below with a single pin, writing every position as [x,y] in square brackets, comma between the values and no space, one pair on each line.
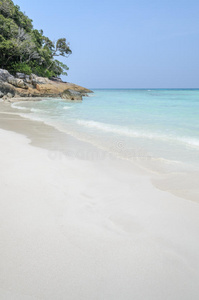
[142,125]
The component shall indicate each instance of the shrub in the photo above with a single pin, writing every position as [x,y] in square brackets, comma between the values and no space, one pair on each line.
[21,68]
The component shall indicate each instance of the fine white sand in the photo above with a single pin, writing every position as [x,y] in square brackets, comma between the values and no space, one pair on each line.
[90,230]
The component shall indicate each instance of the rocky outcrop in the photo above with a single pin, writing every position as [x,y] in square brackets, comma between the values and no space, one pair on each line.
[34,86]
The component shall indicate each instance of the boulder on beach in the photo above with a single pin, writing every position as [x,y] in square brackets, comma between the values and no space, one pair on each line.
[71,95]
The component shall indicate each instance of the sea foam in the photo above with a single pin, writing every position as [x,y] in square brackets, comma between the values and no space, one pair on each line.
[17,106]
[125,131]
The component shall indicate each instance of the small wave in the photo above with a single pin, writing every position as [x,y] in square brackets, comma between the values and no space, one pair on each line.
[67,107]
[114,129]
[31,117]
[15,105]
[36,110]
[139,134]
[190,141]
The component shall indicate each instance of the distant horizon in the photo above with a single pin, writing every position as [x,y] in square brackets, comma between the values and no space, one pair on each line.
[143,88]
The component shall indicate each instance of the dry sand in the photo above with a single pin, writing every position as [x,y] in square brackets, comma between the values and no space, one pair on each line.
[73,227]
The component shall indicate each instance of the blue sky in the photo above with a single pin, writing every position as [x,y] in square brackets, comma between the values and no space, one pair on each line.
[124,44]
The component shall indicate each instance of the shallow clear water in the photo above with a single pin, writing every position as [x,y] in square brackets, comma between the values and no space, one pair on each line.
[145,125]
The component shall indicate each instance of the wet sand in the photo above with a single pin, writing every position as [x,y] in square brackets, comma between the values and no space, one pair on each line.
[76,223]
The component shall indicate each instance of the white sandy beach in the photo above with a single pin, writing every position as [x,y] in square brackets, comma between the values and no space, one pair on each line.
[83,230]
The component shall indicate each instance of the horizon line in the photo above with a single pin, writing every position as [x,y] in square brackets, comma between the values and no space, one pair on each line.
[130,88]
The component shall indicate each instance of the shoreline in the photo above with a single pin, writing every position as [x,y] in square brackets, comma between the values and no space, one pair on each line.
[183,185]
[79,227]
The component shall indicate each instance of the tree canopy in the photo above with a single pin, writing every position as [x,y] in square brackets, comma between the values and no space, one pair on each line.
[25,49]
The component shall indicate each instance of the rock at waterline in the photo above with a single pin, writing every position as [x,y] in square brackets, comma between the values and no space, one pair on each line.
[34,86]
[71,95]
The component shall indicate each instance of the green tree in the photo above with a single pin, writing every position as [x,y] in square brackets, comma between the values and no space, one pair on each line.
[60,48]
[23,48]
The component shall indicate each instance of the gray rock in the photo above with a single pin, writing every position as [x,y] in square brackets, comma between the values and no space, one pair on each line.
[27,79]
[17,82]
[38,80]
[20,76]
[33,76]
[57,79]
[71,95]
[7,88]
[1,94]
[4,74]
[34,82]
[9,95]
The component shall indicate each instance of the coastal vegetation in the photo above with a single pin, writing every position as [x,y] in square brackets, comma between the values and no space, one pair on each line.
[25,49]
